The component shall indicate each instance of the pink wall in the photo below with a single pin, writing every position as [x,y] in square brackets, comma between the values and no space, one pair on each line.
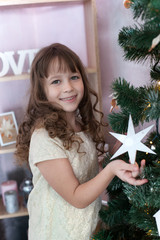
[39,27]
[111,17]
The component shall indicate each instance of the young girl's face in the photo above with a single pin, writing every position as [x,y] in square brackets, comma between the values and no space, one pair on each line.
[64,88]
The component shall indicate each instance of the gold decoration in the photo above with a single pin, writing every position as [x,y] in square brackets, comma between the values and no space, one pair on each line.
[127,3]
[158,85]
[149,233]
[149,105]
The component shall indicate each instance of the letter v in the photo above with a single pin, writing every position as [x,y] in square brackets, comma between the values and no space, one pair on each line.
[17,68]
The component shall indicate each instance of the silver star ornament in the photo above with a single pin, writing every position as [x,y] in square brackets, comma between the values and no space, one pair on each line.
[132,142]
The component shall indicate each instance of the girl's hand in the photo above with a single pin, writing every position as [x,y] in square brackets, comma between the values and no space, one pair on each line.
[128,172]
[139,171]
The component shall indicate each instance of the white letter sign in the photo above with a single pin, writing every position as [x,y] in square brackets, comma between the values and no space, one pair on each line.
[8,61]
[5,64]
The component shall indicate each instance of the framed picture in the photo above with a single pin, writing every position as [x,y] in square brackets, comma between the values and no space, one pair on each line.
[8,128]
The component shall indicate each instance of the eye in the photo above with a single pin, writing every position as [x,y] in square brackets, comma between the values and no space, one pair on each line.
[56,82]
[75,77]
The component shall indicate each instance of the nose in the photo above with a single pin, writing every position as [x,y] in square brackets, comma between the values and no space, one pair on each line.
[68,86]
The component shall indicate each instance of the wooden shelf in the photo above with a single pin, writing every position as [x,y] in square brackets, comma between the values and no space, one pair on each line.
[25,76]
[27,2]
[8,149]
[14,77]
[93,70]
[22,211]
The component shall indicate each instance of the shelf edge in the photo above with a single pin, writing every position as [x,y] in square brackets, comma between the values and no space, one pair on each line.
[26,76]
[28,2]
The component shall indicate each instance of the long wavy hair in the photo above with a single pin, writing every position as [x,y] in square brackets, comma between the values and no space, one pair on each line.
[41,113]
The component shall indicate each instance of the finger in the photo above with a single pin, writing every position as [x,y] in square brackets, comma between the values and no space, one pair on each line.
[130,167]
[135,173]
[135,163]
[143,163]
[138,182]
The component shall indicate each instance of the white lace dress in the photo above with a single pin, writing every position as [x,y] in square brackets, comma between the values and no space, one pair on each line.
[50,216]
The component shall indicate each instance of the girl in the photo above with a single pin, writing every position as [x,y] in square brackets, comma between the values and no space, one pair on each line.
[60,138]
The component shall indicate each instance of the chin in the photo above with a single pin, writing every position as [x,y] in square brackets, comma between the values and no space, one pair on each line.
[70,110]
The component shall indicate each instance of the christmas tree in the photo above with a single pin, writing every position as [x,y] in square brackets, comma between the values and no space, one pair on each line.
[133,211]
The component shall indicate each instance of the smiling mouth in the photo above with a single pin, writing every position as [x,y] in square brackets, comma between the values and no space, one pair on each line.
[68,98]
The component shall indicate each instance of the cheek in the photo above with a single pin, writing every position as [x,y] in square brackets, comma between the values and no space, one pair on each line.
[81,88]
[49,94]
[46,91]
[52,96]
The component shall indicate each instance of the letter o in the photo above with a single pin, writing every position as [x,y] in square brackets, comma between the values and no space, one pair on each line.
[5,65]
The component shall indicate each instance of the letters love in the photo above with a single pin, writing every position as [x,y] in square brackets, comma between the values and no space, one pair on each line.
[16,61]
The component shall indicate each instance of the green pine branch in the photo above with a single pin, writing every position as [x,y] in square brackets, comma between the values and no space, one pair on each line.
[145,10]
[152,100]
[136,42]
[133,206]
[155,73]
[145,201]
[142,103]
[131,100]
[143,221]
